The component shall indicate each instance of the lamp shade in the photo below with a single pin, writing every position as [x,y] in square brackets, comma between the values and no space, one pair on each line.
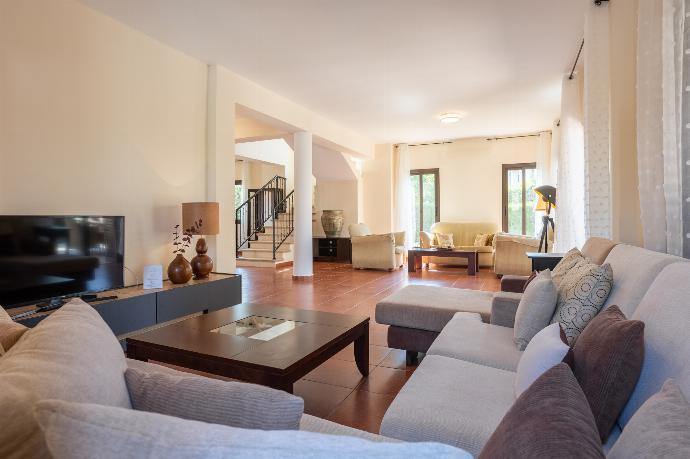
[207,212]
[547,195]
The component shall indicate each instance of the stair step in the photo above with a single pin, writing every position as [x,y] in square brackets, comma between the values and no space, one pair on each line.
[249,262]
[263,237]
[266,254]
[268,244]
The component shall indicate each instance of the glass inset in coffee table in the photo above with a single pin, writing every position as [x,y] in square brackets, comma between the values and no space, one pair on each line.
[262,344]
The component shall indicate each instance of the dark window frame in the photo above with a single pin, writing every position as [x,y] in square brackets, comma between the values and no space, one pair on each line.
[522,167]
[437,198]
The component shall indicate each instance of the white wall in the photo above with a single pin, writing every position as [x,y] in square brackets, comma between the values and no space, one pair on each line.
[377,189]
[99,119]
[471,174]
[336,195]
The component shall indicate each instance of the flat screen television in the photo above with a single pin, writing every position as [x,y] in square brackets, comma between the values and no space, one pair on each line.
[43,257]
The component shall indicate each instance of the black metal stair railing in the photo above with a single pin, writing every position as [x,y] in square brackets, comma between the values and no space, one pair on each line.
[283,221]
[267,203]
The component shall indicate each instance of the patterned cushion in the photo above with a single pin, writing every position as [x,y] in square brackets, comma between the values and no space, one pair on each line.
[607,361]
[550,419]
[565,265]
[481,240]
[444,240]
[660,428]
[581,294]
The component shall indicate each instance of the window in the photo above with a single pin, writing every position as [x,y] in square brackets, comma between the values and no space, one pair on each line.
[519,198]
[238,193]
[425,193]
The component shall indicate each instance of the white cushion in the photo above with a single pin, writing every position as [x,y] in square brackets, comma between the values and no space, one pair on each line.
[71,355]
[467,338]
[81,430]
[536,308]
[359,229]
[546,350]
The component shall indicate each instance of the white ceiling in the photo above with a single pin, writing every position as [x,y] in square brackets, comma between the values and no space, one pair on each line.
[385,68]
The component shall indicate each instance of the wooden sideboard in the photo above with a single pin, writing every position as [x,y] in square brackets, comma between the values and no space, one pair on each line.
[136,309]
[337,249]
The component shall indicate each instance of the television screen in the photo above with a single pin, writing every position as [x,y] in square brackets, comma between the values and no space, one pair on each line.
[43,257]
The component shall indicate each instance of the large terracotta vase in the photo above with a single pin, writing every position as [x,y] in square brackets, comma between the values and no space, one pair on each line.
[179,270]
[332,222]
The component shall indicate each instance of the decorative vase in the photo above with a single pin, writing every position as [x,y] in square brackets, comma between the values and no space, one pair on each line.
[179,270]
[202,264]
[332,222]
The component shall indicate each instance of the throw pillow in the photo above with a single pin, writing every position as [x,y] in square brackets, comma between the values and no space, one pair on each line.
[531,278]
[80,430]
[71,355]
[10,331]
[565,265]
[481,240]
[548,348]
[660,428]
[231,403]
[607,361]
[550,419]
[490,239]
[581,294]
[444,240]
[535,309]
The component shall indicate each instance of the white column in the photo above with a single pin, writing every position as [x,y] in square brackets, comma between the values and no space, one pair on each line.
[303,257]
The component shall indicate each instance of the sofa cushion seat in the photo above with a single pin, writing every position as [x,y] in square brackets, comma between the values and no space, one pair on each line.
[430,308]
[450,401]
[467,338]
[317,425]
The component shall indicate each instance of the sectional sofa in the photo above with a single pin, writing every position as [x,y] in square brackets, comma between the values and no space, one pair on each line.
[464,385]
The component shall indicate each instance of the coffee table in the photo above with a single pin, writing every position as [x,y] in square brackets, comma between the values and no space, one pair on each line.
[262,344]
[414,258]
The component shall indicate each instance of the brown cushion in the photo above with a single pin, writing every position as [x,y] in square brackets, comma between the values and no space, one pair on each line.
[530,279]
[10,332]
[607,361]
[550,419]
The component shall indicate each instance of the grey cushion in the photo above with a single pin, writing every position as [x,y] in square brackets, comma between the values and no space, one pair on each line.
[81,431]
[313,424]
[581,295]
[467,338]
[536,308]
[71,355]
[231,403]
[429,307]
[634,270]
[450,401]
[665,310]
[551,419]
[660,428]
[504,307]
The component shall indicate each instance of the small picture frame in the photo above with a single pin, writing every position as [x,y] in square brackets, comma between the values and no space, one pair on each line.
[153,277]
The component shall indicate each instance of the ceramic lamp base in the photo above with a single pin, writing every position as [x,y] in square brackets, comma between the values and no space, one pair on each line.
[202,264]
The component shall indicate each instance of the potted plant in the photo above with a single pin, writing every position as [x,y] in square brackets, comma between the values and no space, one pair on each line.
[180,270]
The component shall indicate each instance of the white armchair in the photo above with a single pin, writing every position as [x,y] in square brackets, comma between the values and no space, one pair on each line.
[376,251]
[510,255]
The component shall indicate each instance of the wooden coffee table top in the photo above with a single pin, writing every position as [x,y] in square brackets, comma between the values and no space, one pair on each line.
[315,333]
[441,252]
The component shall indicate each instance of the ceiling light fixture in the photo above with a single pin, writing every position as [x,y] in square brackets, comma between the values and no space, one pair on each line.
[449,118]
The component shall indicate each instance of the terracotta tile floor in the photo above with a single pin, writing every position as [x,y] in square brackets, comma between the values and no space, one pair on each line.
[336,390]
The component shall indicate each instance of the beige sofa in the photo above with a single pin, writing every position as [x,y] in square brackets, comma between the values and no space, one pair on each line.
[463,238]
[510,254]
[376,251]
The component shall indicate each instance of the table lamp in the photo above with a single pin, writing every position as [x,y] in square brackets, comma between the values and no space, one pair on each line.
[201,218]
[547,201]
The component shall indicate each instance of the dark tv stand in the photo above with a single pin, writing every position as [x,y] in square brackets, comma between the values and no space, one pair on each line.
[130,309]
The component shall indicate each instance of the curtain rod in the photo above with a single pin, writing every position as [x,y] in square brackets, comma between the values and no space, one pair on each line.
[536,134]
[577,58]
[446,142]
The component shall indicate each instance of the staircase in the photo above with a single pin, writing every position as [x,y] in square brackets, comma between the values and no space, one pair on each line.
[264,227]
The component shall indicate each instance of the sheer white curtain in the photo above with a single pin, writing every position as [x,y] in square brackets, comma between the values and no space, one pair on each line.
[597,125]
[544,159]
[404,205]
[659,108]
[570,212]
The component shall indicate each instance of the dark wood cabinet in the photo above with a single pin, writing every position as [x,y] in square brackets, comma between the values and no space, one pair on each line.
[337,249]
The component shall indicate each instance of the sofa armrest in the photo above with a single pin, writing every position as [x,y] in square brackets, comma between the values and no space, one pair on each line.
[510,257]
[503,308]
[513,283]
[376,251]
[232,403]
